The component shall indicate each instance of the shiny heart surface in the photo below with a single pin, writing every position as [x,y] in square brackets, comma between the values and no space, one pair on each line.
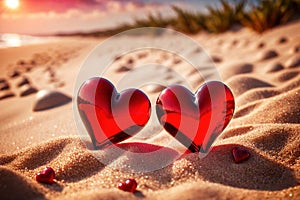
[195,120]
[46,176]
[111,117]
[128,186]
[240,154]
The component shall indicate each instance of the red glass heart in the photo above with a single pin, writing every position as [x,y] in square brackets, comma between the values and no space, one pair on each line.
[129,185]
[46,176]
[111,117]
[240,154]
[196,120]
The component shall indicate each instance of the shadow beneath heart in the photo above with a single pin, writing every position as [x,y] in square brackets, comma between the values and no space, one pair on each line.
[56,187]
[136,156]
[257,173]
[139,194]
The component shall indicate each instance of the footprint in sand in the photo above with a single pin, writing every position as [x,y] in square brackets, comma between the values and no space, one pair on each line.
[118,58]
[146,77]
[23,81]
[249,97]
[4,85]
[123,68]
[28,68]
[127,62]
[26,90]
[170,66]
[53,78]
[4,89]
[177,60]
[21,62]
[231,70]
[244,108]
[297,49]
[274,67]
[3,80]
[197,50]
[6,94]
[51,72]
[293,62]
[261,45]
[14,74]
[268,54]
[243,83]
[164,56]
[286,75]
[282,40]
[130,61]
[142,55]
[32,62]
[234,43]
[216,59]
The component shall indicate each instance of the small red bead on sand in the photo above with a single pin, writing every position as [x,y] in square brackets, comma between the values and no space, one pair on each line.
[46,176]
[240,154]
[129,185]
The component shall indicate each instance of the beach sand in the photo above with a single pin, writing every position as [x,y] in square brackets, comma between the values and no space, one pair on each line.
[263,71]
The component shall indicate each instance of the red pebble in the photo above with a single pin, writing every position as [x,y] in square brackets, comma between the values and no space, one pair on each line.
[240,154]
[46,176]
[129,185]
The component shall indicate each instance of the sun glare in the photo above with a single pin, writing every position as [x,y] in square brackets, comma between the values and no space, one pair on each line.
[12,4]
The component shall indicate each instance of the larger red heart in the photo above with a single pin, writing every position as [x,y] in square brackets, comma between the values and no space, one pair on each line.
[111,117]
[195,120]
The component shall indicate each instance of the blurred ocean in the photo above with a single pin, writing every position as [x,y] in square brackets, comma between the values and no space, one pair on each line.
[16,40]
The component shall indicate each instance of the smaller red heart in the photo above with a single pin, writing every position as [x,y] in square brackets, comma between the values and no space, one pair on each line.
[46,176]
[240,154]
[129,185]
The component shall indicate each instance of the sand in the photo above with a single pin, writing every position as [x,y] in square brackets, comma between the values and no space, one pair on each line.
[266,122]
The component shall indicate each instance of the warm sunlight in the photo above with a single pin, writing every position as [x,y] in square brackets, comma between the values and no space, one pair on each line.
[12,4]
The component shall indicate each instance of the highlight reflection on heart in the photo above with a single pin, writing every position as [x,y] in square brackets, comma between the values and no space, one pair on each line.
[111,117]
[196,120]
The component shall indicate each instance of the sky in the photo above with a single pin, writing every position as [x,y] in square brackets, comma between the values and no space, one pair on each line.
[46,17]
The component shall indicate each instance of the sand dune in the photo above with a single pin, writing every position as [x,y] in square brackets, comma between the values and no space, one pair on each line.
[266,123]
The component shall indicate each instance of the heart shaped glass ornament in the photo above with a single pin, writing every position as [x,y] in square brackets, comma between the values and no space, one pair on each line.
[46,176]
[196,120]
[240,154]
[111,117]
